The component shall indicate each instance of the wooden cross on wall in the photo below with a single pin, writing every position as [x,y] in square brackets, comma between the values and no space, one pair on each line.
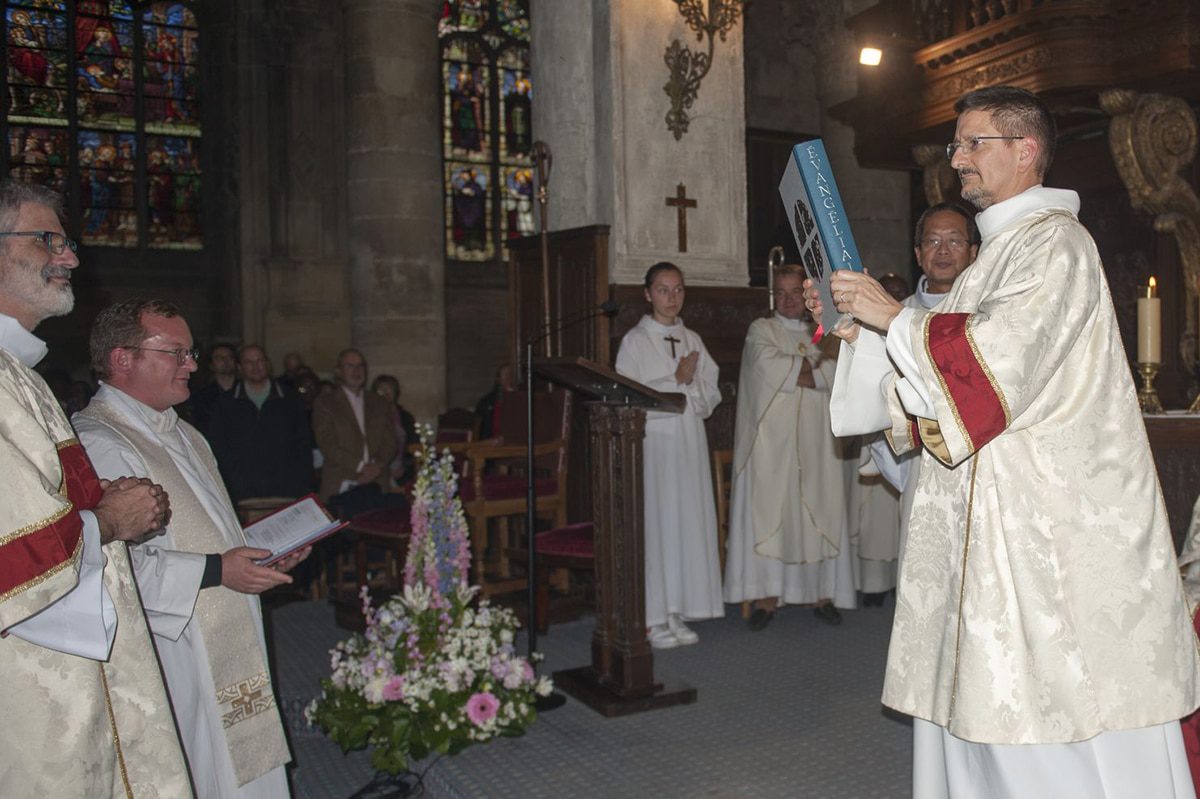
[681,203]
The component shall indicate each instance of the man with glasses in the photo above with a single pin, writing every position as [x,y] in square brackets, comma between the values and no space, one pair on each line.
[1041,639]
[199,581]
[946,241]
[788,537]
[84,703]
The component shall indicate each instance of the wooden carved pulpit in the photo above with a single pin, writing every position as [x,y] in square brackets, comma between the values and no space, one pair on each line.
[620,679]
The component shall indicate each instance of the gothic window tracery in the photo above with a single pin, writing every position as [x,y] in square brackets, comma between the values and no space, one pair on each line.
[102,100]
[487,136]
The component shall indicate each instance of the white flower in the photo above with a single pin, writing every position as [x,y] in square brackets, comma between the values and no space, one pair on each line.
[373,690]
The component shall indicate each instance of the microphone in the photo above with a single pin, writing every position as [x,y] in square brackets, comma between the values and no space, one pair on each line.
[608,308]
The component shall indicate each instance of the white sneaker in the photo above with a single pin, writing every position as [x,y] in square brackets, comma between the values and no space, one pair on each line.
[682,633]
[661,637]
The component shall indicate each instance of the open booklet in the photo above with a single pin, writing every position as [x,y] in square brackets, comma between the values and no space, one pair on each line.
[291,527]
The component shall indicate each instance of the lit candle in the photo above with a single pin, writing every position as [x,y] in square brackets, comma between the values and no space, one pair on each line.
[1149,325]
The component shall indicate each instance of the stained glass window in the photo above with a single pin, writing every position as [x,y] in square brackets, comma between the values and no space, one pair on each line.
[487,131]
[103,106]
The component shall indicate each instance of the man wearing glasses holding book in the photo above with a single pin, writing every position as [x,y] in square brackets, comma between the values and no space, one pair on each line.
[1041,639]
[199,581]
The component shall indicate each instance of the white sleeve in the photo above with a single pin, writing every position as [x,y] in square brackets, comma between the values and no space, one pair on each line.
[83,621]
[857,404]
[894,468]
[169,581]
[913,392]
[789,383]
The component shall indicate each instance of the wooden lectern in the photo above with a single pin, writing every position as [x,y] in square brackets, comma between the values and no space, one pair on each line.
[620,679]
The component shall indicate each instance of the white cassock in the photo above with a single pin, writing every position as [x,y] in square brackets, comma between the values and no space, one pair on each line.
[788,533]
[169,581]
[683,574]
[901,473]
[874,525]
[1041,639]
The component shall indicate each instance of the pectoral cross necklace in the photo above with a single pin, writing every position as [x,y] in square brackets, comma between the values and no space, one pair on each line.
[673,341]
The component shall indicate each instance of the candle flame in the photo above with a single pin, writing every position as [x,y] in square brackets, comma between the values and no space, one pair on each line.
[1153,283]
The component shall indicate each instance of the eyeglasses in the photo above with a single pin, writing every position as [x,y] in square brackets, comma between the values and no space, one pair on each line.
[972,144]
[936,243]
[181,354]
[56,243]
[795,294]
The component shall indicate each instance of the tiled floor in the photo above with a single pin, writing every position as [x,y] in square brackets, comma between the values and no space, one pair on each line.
[792,711]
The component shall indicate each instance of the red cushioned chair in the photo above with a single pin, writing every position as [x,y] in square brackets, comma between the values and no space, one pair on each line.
[570,547]
[496,484]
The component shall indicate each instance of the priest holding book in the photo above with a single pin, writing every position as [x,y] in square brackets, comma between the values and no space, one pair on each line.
[1041,640]
[198,581]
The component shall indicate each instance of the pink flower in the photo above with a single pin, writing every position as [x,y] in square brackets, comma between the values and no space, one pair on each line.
[527,671]
[393,689]
[482,707]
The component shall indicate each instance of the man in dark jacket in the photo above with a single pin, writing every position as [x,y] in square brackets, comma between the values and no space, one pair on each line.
[261,435]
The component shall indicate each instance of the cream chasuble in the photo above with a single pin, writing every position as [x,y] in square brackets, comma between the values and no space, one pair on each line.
[682,569]
[210,641]
[75,727]
[788,532]
[1039,597]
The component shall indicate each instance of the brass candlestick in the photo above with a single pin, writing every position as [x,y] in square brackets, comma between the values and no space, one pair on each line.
[1147,396]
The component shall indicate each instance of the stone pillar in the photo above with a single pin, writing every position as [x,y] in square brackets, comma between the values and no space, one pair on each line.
[599,102]
[394,196]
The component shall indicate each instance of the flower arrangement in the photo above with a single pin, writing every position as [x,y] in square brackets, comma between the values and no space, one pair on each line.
[434,671]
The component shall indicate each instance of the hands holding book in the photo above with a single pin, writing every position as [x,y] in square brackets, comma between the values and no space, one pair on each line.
[239,571]
[859,295]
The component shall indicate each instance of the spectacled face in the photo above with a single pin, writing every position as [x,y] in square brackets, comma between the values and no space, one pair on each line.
[665,296]
[158,378]
[789,296]
[998,169]
[352,371]
[35,283]
[944,250]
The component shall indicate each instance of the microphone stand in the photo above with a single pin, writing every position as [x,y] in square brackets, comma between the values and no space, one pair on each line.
[609,308]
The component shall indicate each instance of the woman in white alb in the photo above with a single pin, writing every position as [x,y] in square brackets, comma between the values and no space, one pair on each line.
[682,568]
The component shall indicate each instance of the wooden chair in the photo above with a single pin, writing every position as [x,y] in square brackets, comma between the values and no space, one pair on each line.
[722,466]
[570,547]
[457,424]
[375,559]
[496,487]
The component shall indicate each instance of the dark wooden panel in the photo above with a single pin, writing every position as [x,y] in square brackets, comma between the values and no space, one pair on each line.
[1176,446]
[578,277]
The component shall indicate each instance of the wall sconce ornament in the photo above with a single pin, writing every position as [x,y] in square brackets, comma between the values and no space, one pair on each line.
[687,68]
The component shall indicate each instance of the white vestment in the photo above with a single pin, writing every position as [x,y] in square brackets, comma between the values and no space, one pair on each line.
[874,524]
[85,709]
[169,580]
[682,567]
[788,533]
[1039,599]
[902,471]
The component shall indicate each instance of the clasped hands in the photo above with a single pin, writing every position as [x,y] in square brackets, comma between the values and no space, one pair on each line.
[132,509]
[685,372]
[859,295]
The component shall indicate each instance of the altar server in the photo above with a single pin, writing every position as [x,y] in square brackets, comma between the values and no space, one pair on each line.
[682,567]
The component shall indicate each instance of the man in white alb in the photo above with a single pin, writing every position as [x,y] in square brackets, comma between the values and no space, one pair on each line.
[1041,638]
[946,241]
[788,536]
[198,581]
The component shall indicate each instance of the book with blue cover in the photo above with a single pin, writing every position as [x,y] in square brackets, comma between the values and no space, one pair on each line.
[818,219]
